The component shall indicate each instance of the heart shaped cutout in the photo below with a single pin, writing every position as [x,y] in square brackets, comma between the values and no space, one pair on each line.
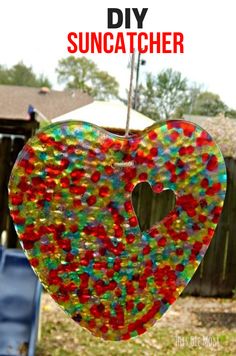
[70,200]
[150,207]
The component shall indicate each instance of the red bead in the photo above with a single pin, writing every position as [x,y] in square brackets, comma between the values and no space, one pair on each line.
[170,166]
[134,258]
[76,203]
[183,235]
[28,245]
[99,265]
[118,231]
[153,232]
[143,176]
[109,170]
[129,173]
[129,288]
[129,305]
[84,298]
[216,187]
[197,245]
[182,151]
[128,206]
[104,191]
[202,218]
[74,228]
[129,187]
[64,163]
[91,200]
[188,128]
[117,266]
[162,242]
[212,164]
[189,150]
[174,135]
[130,238]
[140,306]
[179,251]
[146,250]
[133,221]
[16,199]
[104,329]
[112,285]
[94,311]
[92,324]
[110,273]
[34,262]
[152,135]
[125,336]
[18,220]
[79,190]
[204,183]
[95,177]
[179,267]
[205,157]
[154,151]
[118,292]
[69,257]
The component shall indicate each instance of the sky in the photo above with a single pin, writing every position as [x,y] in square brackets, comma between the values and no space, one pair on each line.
[35,32]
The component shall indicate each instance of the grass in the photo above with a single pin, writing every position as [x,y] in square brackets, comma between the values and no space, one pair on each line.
[188,328]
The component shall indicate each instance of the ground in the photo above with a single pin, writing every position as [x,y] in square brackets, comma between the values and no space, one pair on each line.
[192,326]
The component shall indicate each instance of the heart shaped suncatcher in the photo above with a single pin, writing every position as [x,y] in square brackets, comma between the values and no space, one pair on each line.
[70,199]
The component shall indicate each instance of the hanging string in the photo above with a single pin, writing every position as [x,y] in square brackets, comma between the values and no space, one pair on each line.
[130,94]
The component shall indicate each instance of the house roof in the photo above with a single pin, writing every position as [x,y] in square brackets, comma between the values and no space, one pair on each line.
[14,101]
[111,115]
[196,119]
[222,129]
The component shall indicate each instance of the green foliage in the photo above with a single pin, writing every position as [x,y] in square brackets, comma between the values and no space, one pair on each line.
[43,81]
[3,75]
[230,113]
[186,107]
[21,75]
[162,94]
[203,103]
[208,104]
[168,95]
[147,99]
[82,73]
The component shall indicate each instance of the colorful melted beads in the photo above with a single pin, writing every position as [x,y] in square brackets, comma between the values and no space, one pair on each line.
[70,199]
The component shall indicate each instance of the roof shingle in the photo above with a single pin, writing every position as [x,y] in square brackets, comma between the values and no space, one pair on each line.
[14,101]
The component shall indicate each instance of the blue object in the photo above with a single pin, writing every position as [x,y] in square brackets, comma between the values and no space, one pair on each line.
[31,109]
[1,252]
[20,292]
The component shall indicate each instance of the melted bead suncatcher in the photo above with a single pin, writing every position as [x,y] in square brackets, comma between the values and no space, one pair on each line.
[70,200]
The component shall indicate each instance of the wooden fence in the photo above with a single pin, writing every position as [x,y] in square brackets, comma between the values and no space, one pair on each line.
[216,275]
[13,135]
